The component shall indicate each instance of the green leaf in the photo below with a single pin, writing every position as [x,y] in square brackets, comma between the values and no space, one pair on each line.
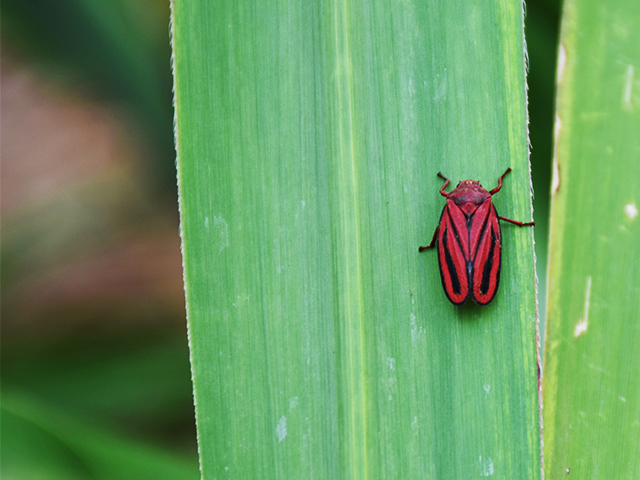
[309,137]
[592,387]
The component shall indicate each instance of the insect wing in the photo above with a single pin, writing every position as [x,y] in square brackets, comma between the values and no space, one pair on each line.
[486,248]
[453,253]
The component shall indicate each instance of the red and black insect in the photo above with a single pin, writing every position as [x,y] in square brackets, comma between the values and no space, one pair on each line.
[470,242]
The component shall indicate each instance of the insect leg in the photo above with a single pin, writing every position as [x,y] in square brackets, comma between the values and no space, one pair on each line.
[446,184]
[497,189]
[433,240]
[520,224]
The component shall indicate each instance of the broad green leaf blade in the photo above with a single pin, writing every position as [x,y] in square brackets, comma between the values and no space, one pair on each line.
[592,386]
[309,137]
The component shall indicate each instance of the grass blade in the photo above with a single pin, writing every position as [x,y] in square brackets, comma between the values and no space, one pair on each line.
[591,386]
[309,138]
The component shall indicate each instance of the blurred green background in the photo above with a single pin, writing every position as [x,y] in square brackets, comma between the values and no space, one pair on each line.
[95,363]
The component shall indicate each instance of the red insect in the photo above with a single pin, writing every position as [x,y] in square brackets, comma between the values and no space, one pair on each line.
[470,242]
